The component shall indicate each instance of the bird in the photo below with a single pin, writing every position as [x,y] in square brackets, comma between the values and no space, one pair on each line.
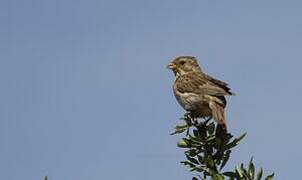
[201,95]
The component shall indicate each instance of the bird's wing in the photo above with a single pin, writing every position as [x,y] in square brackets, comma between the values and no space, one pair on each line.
[198,84]
[219,83]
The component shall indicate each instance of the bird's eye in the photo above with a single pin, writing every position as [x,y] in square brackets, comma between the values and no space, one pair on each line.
[182,62]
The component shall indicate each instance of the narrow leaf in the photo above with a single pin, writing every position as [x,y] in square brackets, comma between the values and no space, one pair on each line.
[235,142]
[209,161]
[225,159]
[211,138]
[211,128]
[200,159]
[179,129]
[230,174]
[218,177]
[259,175]
[191,152]
[270,177]
[187,163]
[193,160]
[239,172]
[183,144]
[251,169]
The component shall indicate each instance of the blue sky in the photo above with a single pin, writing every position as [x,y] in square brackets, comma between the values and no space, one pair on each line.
[85,94]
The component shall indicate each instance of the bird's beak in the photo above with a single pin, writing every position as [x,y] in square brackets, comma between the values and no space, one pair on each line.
[171,66]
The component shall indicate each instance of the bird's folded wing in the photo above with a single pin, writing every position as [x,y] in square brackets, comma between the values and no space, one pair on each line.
[219,83]
[198,84]
[216,81]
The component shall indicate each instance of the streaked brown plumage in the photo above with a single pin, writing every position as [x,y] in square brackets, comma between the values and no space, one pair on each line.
[198,93]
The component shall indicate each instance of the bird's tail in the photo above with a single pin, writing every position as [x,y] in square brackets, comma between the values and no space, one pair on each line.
[218,114]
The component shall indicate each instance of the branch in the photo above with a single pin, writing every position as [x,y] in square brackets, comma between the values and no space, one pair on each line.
[208,148]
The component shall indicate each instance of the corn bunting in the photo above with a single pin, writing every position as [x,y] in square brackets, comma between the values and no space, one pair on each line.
[198,93]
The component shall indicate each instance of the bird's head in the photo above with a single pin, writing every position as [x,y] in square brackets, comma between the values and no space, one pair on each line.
[184,64]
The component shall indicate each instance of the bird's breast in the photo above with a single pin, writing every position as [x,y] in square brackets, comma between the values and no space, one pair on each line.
[190,101]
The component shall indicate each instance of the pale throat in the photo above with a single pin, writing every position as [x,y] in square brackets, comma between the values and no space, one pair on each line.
[180,72]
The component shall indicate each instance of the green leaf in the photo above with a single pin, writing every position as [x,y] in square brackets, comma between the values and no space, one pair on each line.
[225,159]
[211,128]
[195,133]
[218,177]
[270,177]
[230,174]
[183,144]
[191,152]
[195,140]
[194,178]
[179,129]
[193,160]
[211,138]
[189,164]
[209,161]
[235,142]
[239,172]
[200,159]
[226,138]
[197,169]
[244,171]
[259,175]
[251,170]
